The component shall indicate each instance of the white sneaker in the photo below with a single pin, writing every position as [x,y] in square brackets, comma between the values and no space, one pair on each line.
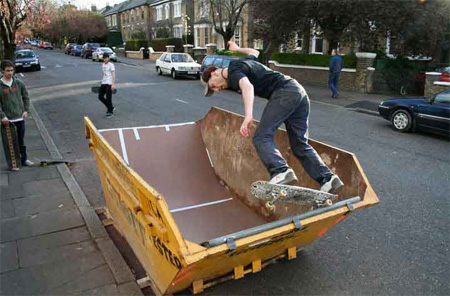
[333,185]
[28,163]
[286,177]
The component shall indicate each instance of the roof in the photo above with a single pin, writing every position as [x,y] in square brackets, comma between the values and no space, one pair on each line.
[116,8]
[157,2]
[136,3]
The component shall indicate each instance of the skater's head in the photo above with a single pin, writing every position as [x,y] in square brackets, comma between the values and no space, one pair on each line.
[7,69]
[105,58]
[213,80]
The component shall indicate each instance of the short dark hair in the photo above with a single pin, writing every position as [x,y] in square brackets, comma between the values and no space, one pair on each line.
[106,55]
[205,78]
[6,63]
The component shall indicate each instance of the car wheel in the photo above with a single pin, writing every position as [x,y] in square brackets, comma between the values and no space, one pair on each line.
[38,68]
[174,74]
[198,76]
[402,121]
[158,70]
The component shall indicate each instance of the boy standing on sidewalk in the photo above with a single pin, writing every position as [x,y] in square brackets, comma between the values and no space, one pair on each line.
[108,85]
[288,103]
[14,105]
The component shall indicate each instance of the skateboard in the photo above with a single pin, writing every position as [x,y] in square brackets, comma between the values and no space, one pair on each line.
[292,194]
[48,161]
[96,90]
[11,146]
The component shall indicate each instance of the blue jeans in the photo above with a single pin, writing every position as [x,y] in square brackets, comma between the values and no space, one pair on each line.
[333,83]
[288,105]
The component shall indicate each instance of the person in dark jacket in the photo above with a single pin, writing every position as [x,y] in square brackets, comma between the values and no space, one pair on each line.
[336,65]
[14,105]
[288,103]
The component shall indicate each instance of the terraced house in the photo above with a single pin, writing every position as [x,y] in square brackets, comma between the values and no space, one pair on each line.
[135,18]
[172,18]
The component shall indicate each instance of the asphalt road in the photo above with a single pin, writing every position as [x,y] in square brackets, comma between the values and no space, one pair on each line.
[399,247]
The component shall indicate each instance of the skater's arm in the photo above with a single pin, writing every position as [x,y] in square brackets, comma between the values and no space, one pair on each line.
[113,74]
[247,97]
[248,51]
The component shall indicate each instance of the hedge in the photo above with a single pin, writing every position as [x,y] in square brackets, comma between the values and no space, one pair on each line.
[311,59]
[159,44]
[135,45]
[238,54]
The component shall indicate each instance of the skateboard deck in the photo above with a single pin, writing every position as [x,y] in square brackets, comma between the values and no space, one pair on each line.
[291,194]
[11,146]
[48,161]
[96,90]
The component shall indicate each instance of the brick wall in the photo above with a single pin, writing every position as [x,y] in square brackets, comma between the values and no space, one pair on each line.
[317,76]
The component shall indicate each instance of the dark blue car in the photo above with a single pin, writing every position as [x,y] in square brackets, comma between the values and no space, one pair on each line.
[430,114]
[27,60]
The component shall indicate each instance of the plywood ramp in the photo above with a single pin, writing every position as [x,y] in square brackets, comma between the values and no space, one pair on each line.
[175,161]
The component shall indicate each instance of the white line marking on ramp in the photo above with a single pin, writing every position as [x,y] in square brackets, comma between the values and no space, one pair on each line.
[136,134]
[167,128]
[181,101]
[207,152]
[201,205]
[124,148]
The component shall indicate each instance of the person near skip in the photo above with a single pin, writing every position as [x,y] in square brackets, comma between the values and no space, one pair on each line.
[288,103]
[108,85]
[336,66]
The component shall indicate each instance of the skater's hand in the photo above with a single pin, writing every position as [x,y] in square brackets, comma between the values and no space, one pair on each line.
[25,115]
[5,121]
[113,87]
[232,46]
[245,127]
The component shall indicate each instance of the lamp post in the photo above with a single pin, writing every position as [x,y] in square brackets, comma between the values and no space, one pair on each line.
[187,29]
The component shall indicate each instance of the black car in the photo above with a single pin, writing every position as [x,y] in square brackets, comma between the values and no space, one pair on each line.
[27,59]
[219,61]
[88,49]
[430,114]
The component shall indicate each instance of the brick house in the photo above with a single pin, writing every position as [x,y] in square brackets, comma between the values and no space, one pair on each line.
[135,19]
[172,18]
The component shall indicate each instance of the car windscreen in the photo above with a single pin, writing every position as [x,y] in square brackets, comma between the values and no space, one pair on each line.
[106,49]
[181,58]
[24,54]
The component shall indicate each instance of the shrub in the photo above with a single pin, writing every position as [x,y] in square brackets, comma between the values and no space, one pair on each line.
[159,44]
[399,73]
[311,59]
[135,45]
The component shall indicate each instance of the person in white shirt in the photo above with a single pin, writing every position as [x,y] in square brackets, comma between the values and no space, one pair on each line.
[108,85]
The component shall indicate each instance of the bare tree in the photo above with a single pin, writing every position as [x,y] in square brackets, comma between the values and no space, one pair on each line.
[225,15]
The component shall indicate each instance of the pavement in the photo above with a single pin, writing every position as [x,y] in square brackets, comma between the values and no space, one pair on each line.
[51,239]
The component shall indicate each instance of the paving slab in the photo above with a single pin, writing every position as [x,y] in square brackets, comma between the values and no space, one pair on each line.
[52,240]
[110,290]
[38,224]
[46,187]
[21,282]
[7,209]
[8,257]
[4,180]
[35,204]
[34,174]
[11,191]
[130,289]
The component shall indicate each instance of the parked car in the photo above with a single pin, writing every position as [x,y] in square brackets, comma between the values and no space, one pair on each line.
[445,74]
[68,48]
[47,45]
[177,64]
[88,48]
[76,50]
[217,60]
[27,59]
[97,55]
[430,114]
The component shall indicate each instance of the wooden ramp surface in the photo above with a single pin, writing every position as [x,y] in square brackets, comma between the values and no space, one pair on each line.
[174,161]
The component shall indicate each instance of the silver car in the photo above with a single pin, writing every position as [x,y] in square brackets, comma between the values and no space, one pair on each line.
[97,55]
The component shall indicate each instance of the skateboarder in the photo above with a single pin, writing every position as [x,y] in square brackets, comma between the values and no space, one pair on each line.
[288,103]
[108,85]
[14,105]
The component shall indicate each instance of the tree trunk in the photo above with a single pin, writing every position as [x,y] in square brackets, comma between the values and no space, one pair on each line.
[9,47]
[306,43]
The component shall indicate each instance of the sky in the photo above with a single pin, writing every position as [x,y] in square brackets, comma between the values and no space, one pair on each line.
[87,3]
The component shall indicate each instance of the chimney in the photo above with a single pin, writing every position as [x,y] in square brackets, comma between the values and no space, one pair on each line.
[93,8]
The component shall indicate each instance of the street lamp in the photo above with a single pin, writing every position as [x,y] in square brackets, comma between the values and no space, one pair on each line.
[186,26]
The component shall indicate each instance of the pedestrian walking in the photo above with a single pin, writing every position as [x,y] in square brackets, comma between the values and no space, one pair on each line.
[336,65]
[14,106]
[108,85]
[288,103]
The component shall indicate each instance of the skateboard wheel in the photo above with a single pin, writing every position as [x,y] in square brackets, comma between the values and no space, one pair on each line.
[283,193]
[270,206]
[328,202]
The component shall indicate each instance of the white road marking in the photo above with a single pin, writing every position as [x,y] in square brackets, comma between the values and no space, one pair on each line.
[124,148]
[21,74]
[136,134]
[201,205]
[43,67]
[181,101]
[58,66]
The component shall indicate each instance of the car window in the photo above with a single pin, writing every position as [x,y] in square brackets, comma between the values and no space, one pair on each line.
[108,50]
[226,63]
[181,58]
[162,57]
[167,59]
[24,54]
[443,98]
[208,61]
[218,62]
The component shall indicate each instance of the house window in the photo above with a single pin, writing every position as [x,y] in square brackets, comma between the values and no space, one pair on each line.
[203,8]
[159,13]
[237,35]
[317,45]
[177,9]
[132,16]
[143,13]
[114,20]
[167,8]
[197,37]
[206,36]
[178,31]
[258,44]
